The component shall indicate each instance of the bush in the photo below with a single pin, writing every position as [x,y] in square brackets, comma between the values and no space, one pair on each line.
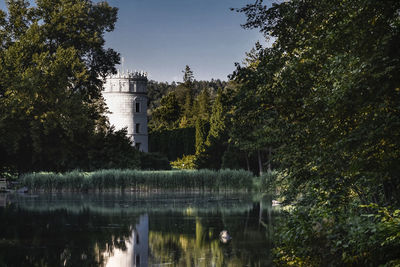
[173,143]
[154,161]
[356,236]
[185,163]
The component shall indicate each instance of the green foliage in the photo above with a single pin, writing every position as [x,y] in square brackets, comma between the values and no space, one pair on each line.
[210,155]
[324,97]
[202,128]
[329,85]
[356,236]
[269,182]
[185,163]
[188,76]
[110,150]
[154,161]
[140,180]
[167,115]
[52,59]
[203,105]
[198,105]
[155,91]
[217,119]
[233,159]
[173,143]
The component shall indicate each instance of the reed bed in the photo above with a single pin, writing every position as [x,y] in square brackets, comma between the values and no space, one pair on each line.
[103,180]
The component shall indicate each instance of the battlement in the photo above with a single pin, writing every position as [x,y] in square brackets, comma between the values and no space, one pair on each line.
[136,75]
[126,81]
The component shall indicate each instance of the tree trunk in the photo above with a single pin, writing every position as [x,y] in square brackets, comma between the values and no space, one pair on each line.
[247,161]
[259,162]
[269,158]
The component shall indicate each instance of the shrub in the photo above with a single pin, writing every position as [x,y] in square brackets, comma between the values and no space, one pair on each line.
[356,236]
[154,161]
[185,163]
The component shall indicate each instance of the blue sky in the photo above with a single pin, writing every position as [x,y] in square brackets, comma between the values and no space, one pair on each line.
[162,36]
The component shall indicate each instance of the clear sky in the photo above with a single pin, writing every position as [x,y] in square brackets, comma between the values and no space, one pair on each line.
[162,36]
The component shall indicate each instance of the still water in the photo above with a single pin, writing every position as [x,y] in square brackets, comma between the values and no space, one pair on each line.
[135,229]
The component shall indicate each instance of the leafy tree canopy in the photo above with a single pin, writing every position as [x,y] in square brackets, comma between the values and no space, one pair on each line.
[52,60]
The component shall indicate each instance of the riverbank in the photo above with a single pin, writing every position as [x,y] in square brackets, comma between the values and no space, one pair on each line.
[201,180]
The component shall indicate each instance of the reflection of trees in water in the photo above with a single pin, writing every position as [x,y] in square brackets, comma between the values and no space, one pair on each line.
[88,230]
[138,203]
[185,246]
[182,250]
[58,238]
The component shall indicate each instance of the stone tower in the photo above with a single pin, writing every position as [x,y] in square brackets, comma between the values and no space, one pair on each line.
[126,97]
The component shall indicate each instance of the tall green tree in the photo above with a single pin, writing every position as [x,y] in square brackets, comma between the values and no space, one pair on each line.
[204,105]
[188,76]
[52,58]
[216,141]
[202,128]
[168,114]
[254,126]
[335,94]
[331,84]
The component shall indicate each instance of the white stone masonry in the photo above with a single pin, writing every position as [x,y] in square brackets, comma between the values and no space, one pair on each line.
[125,95]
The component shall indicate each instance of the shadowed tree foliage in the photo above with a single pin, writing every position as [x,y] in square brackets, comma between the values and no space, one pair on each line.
[210,156]
[328,88]
[179,111]
[52,58]
[167,115]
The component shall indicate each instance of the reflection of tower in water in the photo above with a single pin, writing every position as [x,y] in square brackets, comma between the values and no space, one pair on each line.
[140,239]
[3,200]
[137,247]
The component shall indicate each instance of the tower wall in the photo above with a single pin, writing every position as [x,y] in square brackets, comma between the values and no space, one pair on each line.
[125,95]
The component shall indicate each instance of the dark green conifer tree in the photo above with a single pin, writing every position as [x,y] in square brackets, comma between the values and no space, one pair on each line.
[202,128]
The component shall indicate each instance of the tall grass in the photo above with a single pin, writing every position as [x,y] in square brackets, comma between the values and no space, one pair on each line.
[235,180]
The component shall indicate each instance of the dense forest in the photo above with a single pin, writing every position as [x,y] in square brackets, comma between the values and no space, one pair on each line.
[325,98]
[191,123]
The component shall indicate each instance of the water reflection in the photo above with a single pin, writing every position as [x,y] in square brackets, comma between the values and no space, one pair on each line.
[136,252]
[3,200]
[135,230]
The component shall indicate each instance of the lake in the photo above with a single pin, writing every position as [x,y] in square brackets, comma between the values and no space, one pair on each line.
[135,229]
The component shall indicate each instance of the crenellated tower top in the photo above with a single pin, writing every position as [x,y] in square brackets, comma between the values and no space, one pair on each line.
[129,75]
[126,82]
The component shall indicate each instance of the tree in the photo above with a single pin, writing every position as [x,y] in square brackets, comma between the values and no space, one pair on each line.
[188,76]
[52,57]
[254,129]
[168,114]
[329,92]
[204,105]
[202,128]
[210,156]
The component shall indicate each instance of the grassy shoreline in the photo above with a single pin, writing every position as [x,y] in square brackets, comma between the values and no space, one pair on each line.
[136,180]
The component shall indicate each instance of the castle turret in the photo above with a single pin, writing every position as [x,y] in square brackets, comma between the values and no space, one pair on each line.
[126,97]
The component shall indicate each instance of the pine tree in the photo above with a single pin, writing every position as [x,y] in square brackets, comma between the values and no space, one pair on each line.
[188,76]
[204,105]
[215,145]
[217,120]
[201,134]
